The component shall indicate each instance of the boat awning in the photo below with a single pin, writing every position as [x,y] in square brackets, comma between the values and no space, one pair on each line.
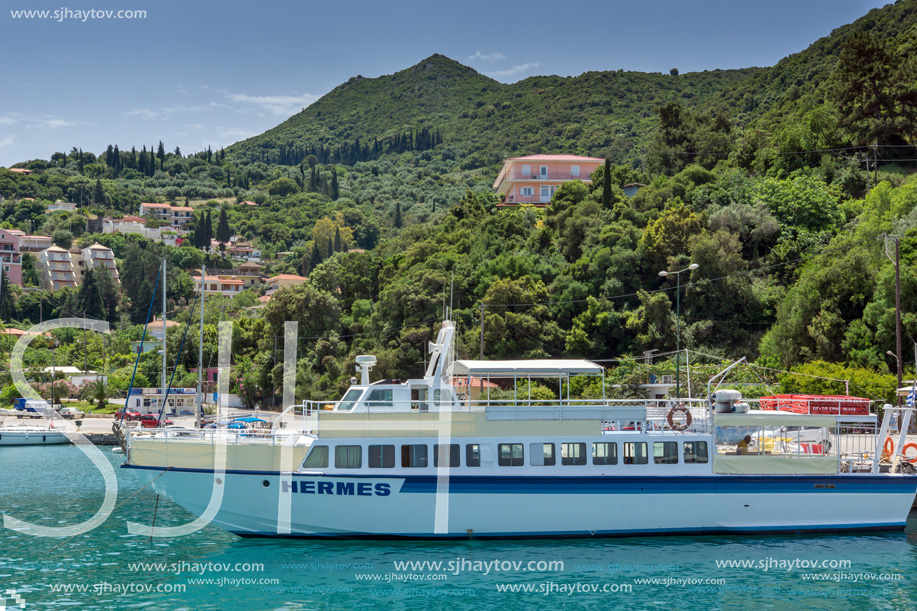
[546,368]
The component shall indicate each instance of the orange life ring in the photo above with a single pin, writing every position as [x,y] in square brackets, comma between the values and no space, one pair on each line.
[904,453]
[889,446]
[671,418]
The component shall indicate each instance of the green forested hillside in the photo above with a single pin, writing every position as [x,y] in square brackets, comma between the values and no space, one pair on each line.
[380,194]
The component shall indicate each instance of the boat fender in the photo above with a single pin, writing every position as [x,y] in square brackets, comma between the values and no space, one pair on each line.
[904,453]
[671,418]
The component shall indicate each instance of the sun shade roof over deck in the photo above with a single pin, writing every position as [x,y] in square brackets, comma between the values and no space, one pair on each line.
[553,368]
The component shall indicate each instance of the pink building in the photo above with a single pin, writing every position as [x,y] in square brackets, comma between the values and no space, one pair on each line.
[533,179]
[10,257]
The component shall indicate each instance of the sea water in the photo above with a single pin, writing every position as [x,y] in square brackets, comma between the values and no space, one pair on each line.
[108,568]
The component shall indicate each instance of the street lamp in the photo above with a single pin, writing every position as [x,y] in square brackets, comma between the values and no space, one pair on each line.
[677,275]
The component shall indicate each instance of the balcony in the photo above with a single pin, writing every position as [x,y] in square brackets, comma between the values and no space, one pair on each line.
[549,176]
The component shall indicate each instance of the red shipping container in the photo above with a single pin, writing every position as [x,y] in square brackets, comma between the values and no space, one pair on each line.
[838,405]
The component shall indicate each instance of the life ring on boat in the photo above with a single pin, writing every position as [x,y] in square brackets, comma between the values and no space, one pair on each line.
[670,417]
[889,446]
[904,453]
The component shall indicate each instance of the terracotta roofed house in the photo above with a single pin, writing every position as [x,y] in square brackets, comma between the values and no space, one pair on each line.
[281,281]
[533,179]
[10,257]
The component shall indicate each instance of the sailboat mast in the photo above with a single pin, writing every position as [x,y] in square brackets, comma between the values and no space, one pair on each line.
[200,357]
[164,402]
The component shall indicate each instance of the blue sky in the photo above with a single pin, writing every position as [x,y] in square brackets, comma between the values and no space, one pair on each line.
[194,73]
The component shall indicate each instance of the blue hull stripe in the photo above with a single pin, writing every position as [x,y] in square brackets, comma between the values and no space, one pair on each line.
[813,528]
[614,484]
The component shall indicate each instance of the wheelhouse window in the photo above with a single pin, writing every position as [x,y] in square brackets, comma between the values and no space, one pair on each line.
[472,455]
[414,456]
[573,453]
[348,457]
[635,453]
[349,400]
[542,454]
[665,452]
[382,457]
[604,453]
[510,455]
[447,455]
[379,398]
[317,458]
[695,452]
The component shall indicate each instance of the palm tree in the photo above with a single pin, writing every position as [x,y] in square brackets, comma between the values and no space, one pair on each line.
[98,390]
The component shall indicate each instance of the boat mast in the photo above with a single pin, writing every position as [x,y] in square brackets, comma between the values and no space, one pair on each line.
[200,359]
[162,411]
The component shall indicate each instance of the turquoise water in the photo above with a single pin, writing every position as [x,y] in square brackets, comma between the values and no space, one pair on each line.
[55,486]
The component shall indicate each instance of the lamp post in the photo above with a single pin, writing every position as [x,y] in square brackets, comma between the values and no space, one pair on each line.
[677,275]
[54,344]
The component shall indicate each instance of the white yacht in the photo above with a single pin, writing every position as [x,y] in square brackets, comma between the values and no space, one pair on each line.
[30,435]
[416,459]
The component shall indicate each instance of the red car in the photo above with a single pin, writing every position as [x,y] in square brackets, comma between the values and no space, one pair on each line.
[151,421]
[129,414]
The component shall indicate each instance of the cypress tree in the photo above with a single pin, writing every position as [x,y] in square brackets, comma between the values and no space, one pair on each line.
[338,243]
[335,193]
[315,257]
[606,185]
[81,161]
[161,153]
[208,231]
[98,195]
[398,221]
[330,246]
[223,230]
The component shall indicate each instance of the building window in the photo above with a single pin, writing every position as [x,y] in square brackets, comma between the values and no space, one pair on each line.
[543,171]
[510,455]
[604,453]
[449,453]
[573,453]
[473,455]
[665,452]
[526,170]
[574,171]
[635,454]
[381,457]
[542,454]
[695,452]
[414,456]
[317,459]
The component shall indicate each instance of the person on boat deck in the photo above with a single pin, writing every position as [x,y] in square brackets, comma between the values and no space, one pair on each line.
[742,448]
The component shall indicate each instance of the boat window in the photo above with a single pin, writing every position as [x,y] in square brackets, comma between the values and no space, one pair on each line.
[348,457]
[635,453]
[695,452]
[472,455]
[510,455]
[414,456]
[604,453]
[573,453]
[317,459]
[450,455]
[379,398]
[382,457]
[542,454]
[665,452]
[349,400]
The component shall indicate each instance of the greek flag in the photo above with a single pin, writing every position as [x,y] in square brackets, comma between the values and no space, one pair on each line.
[912,396]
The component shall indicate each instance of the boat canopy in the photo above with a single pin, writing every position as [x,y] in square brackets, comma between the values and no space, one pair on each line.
[546,368]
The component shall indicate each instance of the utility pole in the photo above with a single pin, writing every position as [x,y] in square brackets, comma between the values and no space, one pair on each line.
[200,358]
[85,348]
[875,162]
[867,173]
[163,404]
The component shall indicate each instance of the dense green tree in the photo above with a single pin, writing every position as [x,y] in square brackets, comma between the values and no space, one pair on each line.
[29,273]
[224,232]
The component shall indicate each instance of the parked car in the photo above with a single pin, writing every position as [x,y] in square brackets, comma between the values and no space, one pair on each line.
[72,412]
[128,414]
[151,421]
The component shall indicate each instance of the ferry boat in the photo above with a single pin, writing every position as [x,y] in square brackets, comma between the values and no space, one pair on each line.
[416,459]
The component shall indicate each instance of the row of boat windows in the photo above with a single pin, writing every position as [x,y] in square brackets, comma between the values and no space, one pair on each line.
[416,455]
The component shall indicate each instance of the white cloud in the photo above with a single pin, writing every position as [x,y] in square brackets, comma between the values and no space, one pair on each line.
[8,141]
[8,120]
[234,134]
[55,122]
[144,113]
[279,105]
[514,70]
[148,113]
[194,125]
[487,57]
